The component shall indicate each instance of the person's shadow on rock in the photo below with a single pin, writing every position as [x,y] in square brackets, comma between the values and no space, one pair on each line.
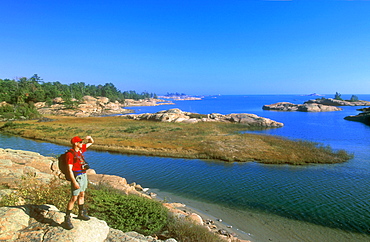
[41,213]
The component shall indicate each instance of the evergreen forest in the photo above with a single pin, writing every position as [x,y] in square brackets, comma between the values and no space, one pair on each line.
[26,90]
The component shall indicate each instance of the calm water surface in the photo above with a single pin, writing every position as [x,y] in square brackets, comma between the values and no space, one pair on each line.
[335,196]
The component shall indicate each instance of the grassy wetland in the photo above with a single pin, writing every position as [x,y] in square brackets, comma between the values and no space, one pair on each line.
[207,140]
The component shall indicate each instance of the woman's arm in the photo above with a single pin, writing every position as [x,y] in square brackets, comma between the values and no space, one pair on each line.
[90,141]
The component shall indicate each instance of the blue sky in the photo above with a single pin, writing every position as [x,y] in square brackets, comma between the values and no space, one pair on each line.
[194,47]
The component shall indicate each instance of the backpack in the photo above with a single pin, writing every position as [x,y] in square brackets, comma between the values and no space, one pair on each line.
[63,166]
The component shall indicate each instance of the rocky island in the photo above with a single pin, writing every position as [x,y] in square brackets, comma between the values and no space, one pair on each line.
[306,107]
[178,116]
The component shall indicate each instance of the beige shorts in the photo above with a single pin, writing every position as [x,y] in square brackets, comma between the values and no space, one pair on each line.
[82,181]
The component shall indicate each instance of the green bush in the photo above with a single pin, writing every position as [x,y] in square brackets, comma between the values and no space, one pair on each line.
[19,111]
[128,212]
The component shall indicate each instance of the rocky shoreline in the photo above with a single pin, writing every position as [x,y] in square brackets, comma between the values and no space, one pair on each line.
[33,222]
[363,117]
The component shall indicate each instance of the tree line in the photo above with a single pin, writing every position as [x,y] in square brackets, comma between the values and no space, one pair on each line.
[338,96]
[24,92]
[33,89]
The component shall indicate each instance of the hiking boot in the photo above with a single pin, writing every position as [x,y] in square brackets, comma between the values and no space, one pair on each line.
[82,215]
[67,222]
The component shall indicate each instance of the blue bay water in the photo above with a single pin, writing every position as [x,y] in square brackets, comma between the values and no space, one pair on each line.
[335,196]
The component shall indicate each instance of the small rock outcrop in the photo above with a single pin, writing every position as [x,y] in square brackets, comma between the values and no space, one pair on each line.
[306,107]
[335,102]
[15,164]
[178,116]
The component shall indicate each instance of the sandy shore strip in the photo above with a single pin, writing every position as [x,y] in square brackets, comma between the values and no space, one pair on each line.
[262,227]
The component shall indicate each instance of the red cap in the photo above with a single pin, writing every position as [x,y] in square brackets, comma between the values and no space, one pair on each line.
[76,139]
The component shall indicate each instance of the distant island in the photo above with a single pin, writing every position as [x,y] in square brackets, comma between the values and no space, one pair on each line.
[314,95]
[180,96]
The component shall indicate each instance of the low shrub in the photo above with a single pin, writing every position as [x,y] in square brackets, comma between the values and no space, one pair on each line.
[127,212]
